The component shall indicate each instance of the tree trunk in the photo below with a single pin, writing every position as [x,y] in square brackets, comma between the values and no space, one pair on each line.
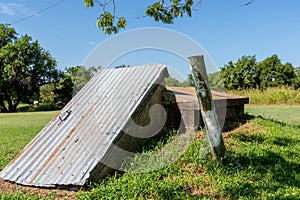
[15,105]
[207,107]
[9,102]
[3,108]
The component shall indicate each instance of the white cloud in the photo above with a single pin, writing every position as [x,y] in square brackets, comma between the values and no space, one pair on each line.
[14,9]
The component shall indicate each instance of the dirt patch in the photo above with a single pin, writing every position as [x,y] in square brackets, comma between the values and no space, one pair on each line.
[11,188]
[197,172]
[200,135]
[249,129]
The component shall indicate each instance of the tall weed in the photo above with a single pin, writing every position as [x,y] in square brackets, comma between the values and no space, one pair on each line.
[276,95]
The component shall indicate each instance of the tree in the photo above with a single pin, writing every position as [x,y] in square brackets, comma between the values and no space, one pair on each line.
[190,80]
[247,73]
[80,76]
[173,82]
[7,35]
[170,81]
[24,67]
[296,80]
[161,11]
[240,75]
[63,90]
[285,74]
[215,81]
[47,93]
[69,82]
[273,73]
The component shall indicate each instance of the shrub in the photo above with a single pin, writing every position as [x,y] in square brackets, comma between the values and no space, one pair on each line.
[283,95]
[34,108]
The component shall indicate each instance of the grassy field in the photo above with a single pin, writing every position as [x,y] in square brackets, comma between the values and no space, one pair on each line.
[284,96]
[263,163]
[17,129]
[287,114]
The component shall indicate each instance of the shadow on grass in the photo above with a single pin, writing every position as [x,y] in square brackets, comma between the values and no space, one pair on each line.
[236,121]
[248,138]
[259,139]
[297,126]
[252,172]
[282,141]
[176,192]
[272,172]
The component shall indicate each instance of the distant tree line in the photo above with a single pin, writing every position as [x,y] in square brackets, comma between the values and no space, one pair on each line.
[248,73]
[173,82]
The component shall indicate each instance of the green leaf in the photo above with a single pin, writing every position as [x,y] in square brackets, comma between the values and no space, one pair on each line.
[88,3]
[121,23]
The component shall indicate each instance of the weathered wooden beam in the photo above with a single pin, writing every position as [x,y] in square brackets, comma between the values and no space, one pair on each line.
[207,107]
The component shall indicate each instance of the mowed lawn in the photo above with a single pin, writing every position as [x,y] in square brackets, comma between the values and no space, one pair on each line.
[287,114]
[17,129]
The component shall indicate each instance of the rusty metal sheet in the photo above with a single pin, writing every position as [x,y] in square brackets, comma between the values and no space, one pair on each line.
[73,143]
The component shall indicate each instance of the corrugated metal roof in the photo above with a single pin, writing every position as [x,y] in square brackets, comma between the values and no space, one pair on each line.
[70,146]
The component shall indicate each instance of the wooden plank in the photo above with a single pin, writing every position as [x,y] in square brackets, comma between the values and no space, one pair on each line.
[207,107]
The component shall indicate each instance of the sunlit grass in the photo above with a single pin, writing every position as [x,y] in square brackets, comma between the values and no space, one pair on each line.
[263,163]
[288,114]
[287,96]
[17,129]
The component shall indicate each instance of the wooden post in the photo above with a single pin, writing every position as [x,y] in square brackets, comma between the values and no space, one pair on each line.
[207,107]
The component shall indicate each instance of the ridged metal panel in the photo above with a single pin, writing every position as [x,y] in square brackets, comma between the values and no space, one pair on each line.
[65,152]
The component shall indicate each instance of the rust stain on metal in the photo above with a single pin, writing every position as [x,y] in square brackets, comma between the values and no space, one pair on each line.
[52,155]
[67,154]
[35,139]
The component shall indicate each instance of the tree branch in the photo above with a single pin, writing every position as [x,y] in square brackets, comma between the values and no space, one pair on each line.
[248,3]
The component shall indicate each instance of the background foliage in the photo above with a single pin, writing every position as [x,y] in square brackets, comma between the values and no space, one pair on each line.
[29,77]
[164,11]
[247,73]
[24,67]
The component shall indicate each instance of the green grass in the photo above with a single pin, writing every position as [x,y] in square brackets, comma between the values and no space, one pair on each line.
[19,196]
[288,114]
[17,129]
[263,163]
[287,96]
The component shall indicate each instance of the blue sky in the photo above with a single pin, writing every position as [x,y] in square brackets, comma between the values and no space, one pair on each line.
[225,29]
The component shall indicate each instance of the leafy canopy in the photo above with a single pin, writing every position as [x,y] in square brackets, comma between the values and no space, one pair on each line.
[24,67]
[161,11]
[247,73]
